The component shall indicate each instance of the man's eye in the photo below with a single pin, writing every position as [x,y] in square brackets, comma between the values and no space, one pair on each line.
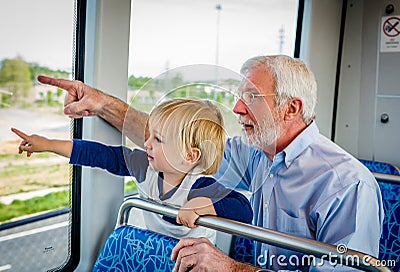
[157,139]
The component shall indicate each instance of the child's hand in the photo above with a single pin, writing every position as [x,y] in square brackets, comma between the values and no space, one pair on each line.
[30,143]
[187,217]
[192,210]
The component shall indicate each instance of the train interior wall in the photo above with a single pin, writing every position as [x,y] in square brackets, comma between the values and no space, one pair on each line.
[368,115]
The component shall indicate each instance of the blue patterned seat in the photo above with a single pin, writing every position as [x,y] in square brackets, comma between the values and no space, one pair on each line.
[242,250]
[381,167]
[389,247]
[129,248]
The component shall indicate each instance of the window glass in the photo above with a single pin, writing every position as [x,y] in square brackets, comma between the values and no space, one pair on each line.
[36,38]
[170,34]
[166,36]
[180,49]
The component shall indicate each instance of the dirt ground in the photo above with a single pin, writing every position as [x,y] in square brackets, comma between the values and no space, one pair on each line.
[48,122]
[21,174]
[9,147]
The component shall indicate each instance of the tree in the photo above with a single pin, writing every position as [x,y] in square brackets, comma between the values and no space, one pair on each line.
[15,77]
[136,83]
[36,70]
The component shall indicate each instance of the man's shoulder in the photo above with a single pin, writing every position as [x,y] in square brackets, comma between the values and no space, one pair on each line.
[335,162]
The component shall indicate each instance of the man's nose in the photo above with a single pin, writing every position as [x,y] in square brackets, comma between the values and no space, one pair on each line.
[240,107]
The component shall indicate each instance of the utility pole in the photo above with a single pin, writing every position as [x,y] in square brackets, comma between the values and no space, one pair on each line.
[218,8]
[281,39]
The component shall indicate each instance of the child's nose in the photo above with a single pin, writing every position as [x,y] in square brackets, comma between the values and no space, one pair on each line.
[147,144]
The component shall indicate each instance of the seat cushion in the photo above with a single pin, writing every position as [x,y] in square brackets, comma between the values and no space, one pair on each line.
[129,248]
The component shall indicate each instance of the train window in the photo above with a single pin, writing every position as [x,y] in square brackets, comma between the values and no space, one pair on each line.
[37,38]
[197,49]
[170,34]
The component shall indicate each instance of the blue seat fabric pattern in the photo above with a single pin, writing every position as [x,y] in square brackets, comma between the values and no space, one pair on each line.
[129,248]
[389,246]
[381,167]
[242,250]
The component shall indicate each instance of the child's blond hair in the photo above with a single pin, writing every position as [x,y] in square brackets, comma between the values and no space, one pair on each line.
[199,124]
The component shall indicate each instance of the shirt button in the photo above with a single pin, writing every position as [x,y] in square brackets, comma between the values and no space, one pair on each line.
[271,175]
[266,206]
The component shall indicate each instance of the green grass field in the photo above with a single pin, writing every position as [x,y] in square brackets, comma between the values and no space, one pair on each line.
[49,202]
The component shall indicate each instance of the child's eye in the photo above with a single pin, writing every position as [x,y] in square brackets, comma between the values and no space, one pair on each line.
[157,139]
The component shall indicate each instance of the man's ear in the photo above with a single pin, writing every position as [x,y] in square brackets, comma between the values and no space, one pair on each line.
[193,156]
[294,108]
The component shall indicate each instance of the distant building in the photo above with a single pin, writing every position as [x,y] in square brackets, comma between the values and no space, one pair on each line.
[39,93]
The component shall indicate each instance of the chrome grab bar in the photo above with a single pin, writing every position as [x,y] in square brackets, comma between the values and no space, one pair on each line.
[271,237]
[387,178]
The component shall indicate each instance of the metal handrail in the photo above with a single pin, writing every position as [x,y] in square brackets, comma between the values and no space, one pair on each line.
[387,178]
[291,242]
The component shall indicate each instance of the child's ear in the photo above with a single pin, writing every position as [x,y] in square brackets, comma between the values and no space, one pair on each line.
[193,156]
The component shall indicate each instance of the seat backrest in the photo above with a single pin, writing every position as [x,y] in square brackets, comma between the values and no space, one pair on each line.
[242,250]
[381,167]
[129,248]
[389,246]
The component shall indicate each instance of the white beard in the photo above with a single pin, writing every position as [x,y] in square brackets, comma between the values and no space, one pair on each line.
[265,133]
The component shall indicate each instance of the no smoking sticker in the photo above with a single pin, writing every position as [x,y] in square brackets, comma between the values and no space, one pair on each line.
[390,34]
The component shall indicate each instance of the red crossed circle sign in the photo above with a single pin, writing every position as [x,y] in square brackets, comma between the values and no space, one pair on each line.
[391,27]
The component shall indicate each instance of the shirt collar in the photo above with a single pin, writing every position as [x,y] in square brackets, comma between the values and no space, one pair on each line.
[300,143]
[194,173]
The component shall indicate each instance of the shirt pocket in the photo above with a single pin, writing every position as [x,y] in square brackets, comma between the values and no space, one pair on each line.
[291,225]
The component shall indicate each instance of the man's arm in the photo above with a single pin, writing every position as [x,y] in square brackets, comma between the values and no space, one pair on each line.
[82,100]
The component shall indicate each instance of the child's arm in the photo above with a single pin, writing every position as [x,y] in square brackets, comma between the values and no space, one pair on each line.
[35,143]
[226,202]
[195,207]
[118,160]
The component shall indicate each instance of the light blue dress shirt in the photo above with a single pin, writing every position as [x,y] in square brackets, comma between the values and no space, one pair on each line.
[312,189]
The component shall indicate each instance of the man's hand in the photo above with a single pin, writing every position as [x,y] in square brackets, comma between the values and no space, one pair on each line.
[199,254]
[81,100]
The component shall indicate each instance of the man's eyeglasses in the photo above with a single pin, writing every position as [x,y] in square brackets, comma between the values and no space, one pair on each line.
[248,97]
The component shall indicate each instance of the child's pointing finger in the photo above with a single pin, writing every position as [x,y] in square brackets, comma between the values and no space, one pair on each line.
[20,133]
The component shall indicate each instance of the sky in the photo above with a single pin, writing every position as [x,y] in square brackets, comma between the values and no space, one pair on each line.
[164,34]
[39,31]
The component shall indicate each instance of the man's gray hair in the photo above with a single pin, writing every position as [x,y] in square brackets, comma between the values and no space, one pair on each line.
[292,79]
